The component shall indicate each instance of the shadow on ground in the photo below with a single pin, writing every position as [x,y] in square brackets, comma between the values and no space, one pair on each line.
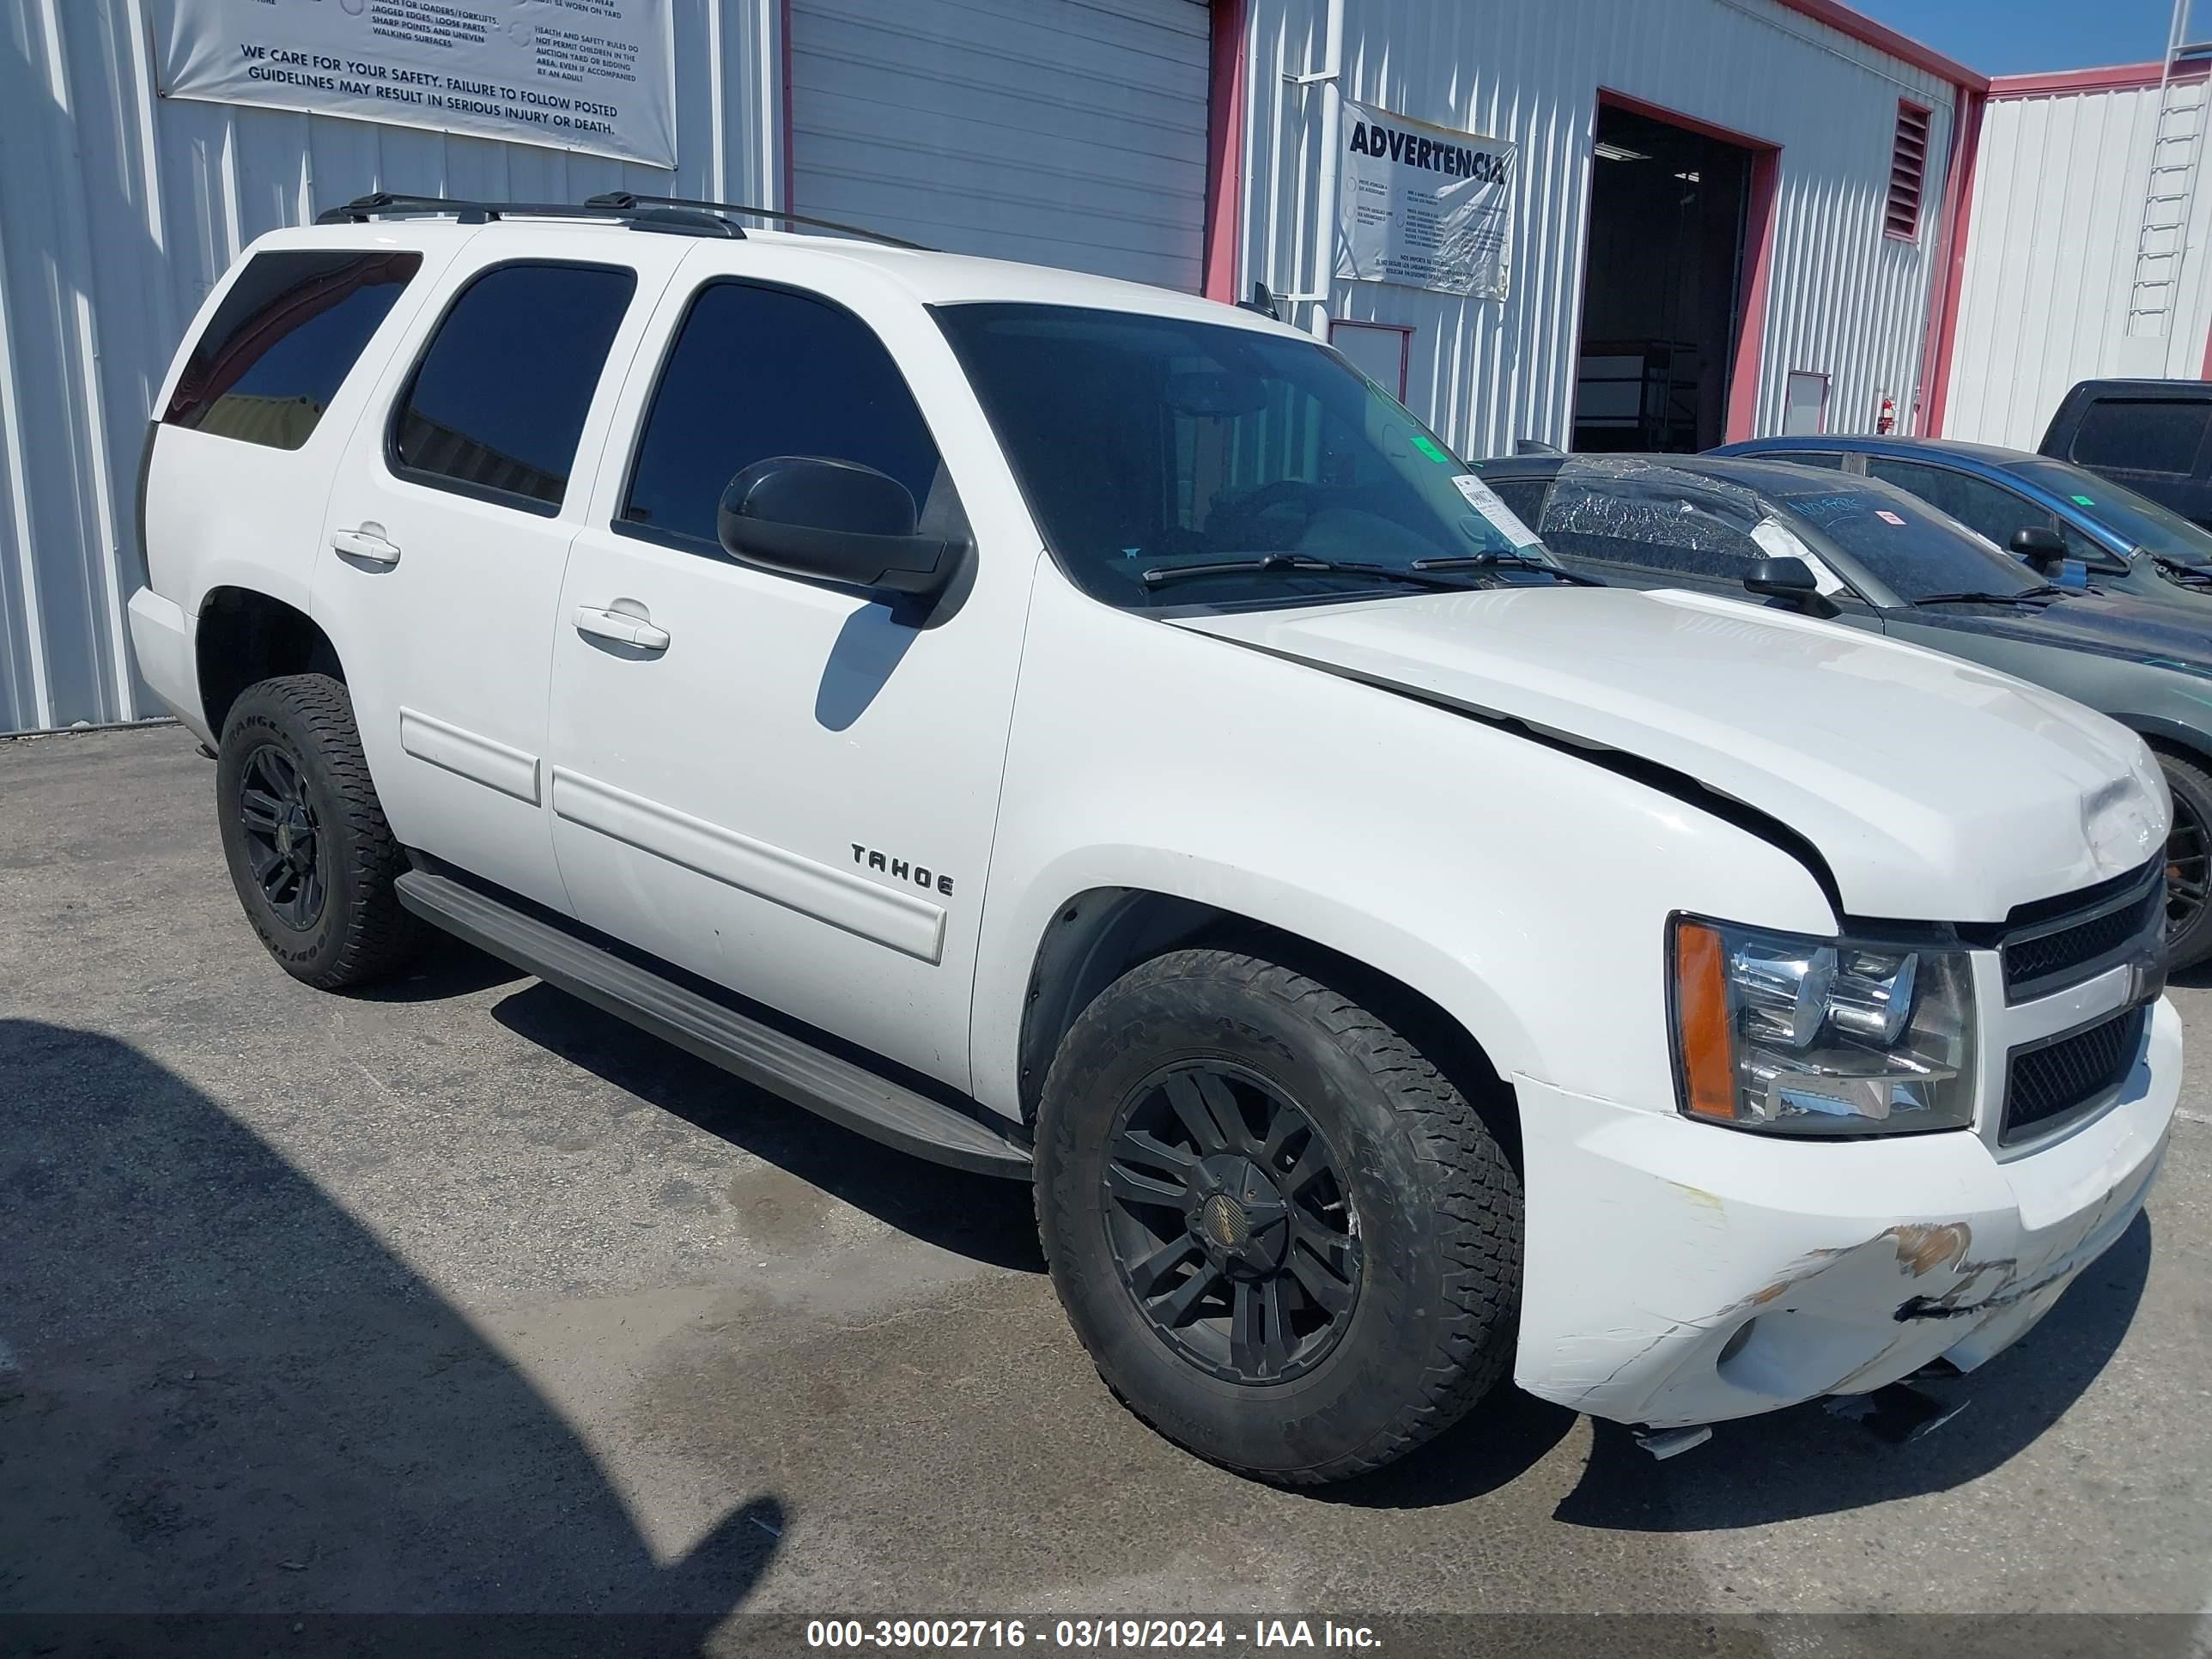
[232,1399]
[987,1221]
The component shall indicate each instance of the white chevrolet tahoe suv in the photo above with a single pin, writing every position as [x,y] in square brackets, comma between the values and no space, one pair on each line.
[1088,734]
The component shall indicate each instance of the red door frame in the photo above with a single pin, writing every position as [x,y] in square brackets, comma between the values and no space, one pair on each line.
[1760,215]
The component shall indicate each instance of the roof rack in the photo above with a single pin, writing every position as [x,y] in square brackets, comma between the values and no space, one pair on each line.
[629,201]
[675,218]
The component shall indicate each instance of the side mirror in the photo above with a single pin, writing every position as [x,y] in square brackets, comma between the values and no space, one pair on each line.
[2043,547]
[800,515]
[1790,580]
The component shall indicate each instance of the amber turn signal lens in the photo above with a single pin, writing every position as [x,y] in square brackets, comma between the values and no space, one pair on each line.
[1701,1015]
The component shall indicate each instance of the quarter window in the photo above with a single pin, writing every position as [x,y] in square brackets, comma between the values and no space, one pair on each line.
[760,372]
[283,341]
[498,402]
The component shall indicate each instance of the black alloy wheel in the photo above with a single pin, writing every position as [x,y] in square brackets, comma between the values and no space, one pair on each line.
[2188,867]
[1230,1222]
[283,840]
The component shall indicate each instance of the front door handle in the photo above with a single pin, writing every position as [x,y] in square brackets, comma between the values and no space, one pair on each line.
[366,543]
[621,627]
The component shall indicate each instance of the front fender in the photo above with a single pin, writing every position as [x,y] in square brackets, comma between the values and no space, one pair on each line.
[1521,888]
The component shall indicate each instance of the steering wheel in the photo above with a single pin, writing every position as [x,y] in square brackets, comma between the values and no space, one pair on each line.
[1233,526]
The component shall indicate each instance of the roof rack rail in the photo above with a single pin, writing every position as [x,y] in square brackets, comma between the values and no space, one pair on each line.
[682,219]
[627,200]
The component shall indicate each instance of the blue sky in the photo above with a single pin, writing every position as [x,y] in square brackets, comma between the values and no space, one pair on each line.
[2019,37]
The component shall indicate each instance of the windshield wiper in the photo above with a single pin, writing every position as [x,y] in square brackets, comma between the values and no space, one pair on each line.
[2026,596]
[1511,561]
[1294,564]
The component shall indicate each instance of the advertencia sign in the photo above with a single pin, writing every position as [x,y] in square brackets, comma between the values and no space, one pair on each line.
[598,75]
[1424,206]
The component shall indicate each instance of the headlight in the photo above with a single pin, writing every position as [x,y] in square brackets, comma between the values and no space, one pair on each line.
[1819,1037]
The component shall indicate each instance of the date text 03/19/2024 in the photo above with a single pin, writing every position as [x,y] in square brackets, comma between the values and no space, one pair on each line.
[1083,1635]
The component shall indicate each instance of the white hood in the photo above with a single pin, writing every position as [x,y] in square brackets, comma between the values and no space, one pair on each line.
[1936,790]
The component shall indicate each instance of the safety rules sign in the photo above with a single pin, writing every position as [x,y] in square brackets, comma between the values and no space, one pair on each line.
[582,74]
[1424,206]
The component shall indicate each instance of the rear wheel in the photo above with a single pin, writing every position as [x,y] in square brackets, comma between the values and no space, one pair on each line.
[2188,861]
[310,854]
[1287,1241]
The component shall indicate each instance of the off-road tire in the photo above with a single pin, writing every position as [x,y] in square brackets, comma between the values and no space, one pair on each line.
[2191,785]
[1437,1208]
[360,933]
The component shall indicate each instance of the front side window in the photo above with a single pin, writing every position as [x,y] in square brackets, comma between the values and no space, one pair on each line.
[283,341]
[497,404]
[761,372]
[1155,451]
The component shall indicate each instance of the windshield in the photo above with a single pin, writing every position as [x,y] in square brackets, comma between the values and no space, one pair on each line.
[2135,518]
[1146,446]
[1906,546]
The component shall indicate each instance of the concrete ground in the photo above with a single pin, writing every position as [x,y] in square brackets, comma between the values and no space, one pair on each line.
[464,1296]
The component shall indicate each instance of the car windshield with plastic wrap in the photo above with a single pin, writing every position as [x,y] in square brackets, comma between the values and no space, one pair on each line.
[1177,463]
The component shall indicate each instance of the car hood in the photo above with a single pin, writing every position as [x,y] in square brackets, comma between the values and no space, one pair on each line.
[2107,624]
[1936,790]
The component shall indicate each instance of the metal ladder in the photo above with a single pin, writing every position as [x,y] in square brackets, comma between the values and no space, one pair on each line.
[2176,149]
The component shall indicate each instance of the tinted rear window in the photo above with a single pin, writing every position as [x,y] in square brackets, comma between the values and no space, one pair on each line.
[2142,435]
[499,400]
[283,341]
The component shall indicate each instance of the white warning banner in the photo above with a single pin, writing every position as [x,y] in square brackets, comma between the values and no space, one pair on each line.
[597,76]
[1424,206]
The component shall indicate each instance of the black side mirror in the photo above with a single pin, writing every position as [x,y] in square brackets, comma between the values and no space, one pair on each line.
[2042,547]
[1790,580]
[800,515]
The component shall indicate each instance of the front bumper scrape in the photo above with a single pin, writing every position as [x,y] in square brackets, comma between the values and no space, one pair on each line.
[1679,1274]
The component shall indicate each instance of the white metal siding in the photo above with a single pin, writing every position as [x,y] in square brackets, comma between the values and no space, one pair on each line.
[2058,200]
[117,212]
[1842,299]
[1062,132]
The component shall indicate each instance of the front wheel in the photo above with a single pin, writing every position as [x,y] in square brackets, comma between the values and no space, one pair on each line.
[2188,862]
[1287,1241]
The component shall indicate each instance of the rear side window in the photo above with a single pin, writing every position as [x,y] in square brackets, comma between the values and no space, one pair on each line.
[2142,435]
[498,402]
[283,341]
[758,372]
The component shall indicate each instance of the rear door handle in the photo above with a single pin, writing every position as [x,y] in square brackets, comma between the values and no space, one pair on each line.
[620,627]
[366,542]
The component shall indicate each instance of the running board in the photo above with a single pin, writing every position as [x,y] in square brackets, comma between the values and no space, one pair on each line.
[786,1065]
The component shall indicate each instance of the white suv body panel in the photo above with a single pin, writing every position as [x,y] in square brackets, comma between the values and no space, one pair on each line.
[448,649]
[1351,774]
[754,802]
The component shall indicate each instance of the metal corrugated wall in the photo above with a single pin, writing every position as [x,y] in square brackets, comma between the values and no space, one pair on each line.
[1843,300]
[117,212]
[2057,201]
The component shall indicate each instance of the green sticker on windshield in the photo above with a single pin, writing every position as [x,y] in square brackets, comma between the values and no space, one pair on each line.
[1430,450]
[2083,501]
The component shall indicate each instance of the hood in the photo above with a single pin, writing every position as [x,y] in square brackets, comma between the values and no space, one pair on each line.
[1936,790]
[2103,624]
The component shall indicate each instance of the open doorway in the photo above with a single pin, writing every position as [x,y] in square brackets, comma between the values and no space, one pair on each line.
[1663,286]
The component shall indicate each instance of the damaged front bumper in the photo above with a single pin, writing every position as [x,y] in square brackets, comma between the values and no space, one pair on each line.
[1677,1275]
